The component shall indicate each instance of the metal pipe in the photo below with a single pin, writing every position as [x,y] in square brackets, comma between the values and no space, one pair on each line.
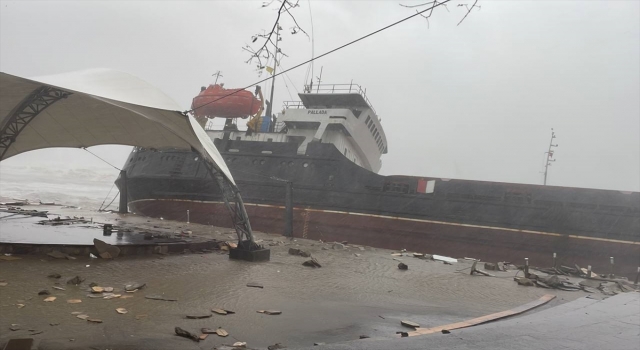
[122,207]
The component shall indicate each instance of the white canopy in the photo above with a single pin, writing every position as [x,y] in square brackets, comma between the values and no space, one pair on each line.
[95,107]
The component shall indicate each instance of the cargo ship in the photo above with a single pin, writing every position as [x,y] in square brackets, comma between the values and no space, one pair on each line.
[329,146]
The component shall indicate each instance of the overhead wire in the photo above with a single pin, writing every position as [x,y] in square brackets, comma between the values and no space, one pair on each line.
[85,148]
[418,13]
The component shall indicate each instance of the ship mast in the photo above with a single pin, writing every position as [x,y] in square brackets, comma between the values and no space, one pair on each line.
[549,154]
[273,73]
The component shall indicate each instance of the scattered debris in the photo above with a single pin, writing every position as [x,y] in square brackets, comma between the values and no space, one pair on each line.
[198,316]
[221,332]
[49,299]
[409,324]
[108,289]
[364,337]
[121,310]
[9,257]
[3,284]
[94,320]
[57,288]
[255,285]
[403,266]
[14,328]
[418,255]
[83,317]
[270,312]
[53,324]
[54,275]
[276,346]
[444,259]
[208,331]
[523,281]
[35,332]
[338,246]
[139,317]
[403,334]
[474,270]
[222,312]
[490,266]
[44,292]
[159,297]
[77,313]
[181,332]
[299,252]
[74,301]
[396,254]
[444,331]
[312,263]
[361,248]
[240,344]
[76,280]
[20,306]
[203,336]
[106,250]
[110,296]
[133,286]
[92,256]
[97,289]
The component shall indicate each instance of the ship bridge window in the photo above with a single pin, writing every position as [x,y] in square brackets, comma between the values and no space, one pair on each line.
[368,120]
[356,112]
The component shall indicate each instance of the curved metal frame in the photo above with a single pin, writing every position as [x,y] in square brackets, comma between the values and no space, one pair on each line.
[37,101]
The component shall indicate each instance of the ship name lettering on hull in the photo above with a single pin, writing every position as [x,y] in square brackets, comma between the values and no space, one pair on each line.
[316,111]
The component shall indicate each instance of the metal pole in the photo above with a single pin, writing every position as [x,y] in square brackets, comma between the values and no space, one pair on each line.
[637,276]
[288,211]
[554,260]
[611,274]
[526,267]
[589,271]
[188,216]
[122,207]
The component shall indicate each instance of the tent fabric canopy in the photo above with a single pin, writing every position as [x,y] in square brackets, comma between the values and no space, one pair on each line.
[95,107]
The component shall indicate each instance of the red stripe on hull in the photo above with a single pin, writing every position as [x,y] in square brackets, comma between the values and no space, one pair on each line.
[488,244]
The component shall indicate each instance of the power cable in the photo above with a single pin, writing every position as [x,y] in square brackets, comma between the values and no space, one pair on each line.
[85,148]
[325,54]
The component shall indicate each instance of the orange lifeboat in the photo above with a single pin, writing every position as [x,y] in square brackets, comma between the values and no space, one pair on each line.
[217,102]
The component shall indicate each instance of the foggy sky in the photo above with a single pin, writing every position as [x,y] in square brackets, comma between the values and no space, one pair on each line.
[475,101]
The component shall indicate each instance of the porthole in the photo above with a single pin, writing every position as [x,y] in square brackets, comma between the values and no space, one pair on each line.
[305,164]
[196,159]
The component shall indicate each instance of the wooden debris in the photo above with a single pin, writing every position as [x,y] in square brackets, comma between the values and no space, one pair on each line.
[94,320]
[203,336]
[221,332]
[83,317]
[74,301]
[409,324]
[219,311]
[49,299]
[270,312]
[255,285]
[197,317]
[121,310]
[181,332]
[159,297]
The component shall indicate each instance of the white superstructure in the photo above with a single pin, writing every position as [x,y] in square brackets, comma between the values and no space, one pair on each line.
[339,114]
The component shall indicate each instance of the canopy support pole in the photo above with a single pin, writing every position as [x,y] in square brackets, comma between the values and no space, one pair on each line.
[247,248]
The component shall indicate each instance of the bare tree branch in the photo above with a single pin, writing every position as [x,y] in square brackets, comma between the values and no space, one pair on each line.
[469,11]
[266,51]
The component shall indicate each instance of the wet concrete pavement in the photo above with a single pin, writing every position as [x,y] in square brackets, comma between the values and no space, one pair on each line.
[348,297]
[582,324]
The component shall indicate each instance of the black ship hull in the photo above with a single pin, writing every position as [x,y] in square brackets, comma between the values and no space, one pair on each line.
[336,200]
